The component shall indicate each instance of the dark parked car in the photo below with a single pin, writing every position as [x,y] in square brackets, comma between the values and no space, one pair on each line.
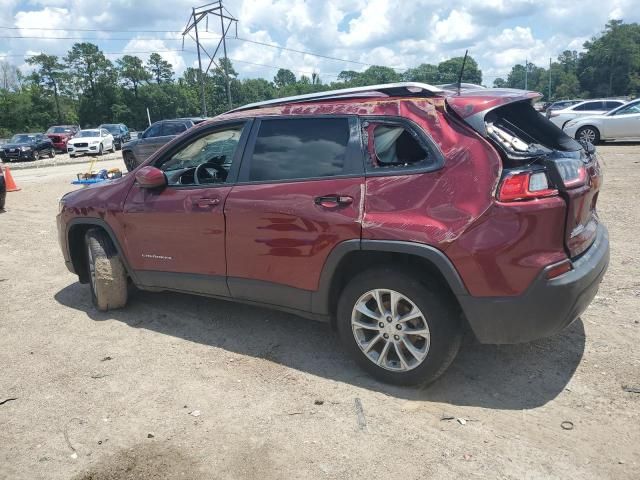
[137,151]
[27,146]
[120,133]
[61,134]
[403,214]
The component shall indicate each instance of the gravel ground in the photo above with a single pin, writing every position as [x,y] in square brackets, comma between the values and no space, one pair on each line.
[185,387]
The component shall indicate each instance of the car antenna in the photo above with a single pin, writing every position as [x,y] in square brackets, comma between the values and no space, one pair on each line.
[464,62]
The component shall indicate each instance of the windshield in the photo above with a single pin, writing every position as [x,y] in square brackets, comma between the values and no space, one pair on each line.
[89,133]
[111,128]
[59,130]
[23,138]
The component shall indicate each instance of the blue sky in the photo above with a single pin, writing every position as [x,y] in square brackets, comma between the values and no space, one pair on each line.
[395,33]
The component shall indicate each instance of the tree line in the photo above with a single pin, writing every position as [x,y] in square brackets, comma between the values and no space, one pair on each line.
[86,88]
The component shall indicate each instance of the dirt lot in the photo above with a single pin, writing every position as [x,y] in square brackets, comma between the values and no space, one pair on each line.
[186,387]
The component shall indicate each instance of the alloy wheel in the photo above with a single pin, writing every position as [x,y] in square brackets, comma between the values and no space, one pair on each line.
[587,135]
[390,330]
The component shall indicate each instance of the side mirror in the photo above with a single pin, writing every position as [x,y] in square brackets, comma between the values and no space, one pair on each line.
[151,177]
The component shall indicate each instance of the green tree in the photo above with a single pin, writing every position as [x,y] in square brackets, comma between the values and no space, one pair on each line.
[425,73]
[449,71]
[132,72]
[610,62]
[49,74]
[159,68]
[284,78]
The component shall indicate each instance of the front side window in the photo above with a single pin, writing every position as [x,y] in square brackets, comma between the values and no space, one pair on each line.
[205,160]
[299,148]
[629,109]
[154,130]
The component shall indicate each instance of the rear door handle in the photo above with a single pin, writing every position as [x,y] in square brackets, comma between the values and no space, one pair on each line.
[207,202]
[332,201]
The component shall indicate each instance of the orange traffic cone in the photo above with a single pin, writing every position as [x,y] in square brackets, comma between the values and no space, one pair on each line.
[9,181]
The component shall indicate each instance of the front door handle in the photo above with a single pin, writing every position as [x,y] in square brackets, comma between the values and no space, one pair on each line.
[207,202]
[333,201]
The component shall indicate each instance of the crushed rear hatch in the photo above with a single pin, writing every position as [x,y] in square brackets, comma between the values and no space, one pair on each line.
[529,142]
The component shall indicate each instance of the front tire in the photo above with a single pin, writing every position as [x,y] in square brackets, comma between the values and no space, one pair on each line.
[100,150]
[107,274]
[129,161]
[400,329]
[588,134]
[36,155]
[52,153]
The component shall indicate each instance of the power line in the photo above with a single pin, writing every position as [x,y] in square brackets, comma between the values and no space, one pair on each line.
[104,53]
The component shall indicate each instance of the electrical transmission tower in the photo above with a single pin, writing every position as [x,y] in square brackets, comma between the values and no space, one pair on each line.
[198,14]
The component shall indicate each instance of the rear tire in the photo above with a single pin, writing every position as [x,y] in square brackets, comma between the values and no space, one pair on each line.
[589,134]
[107,274]
[425,356]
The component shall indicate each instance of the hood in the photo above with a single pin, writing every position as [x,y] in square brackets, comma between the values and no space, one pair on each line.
[17,145]
[84,139]
[63,135]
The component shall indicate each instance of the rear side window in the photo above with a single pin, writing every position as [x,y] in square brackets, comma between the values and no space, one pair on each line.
[612,105]
[298,148]
[174,128]
[590,106]
[396,146]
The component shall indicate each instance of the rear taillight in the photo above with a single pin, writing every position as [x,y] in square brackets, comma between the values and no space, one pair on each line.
[524,186]
[572,171]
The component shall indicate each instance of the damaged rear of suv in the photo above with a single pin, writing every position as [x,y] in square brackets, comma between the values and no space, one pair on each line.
[549,187]
[403,214]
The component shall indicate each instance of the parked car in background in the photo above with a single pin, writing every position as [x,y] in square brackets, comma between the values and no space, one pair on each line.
[120,133]
[3,189]
[60,135]
[27,146]
[137,151]
[559,105]
[582,109]
[618,124]
[356,207]
[94,141]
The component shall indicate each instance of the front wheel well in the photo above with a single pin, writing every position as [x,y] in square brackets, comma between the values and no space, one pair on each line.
[77,249]
[358,261]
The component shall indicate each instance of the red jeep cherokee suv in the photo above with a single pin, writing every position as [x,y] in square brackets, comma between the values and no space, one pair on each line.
[402,213]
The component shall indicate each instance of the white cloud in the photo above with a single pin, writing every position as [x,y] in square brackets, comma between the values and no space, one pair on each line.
[498,33]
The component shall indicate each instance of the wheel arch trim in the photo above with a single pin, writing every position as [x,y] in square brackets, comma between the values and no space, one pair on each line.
[320,301]
[97,222]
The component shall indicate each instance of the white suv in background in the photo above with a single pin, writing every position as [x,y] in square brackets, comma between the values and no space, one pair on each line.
[582,109]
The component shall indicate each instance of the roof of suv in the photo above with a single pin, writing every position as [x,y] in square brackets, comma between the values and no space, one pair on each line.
[382,90]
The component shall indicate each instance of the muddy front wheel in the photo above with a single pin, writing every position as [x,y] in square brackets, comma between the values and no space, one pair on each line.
[107,274]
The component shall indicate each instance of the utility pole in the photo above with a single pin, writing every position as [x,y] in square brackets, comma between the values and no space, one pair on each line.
[198,14]
[526,74]
[549,98]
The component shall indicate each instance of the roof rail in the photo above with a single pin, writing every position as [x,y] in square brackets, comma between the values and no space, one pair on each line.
[389,89]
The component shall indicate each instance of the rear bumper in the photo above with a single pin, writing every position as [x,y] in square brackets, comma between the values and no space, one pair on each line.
[546,307]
